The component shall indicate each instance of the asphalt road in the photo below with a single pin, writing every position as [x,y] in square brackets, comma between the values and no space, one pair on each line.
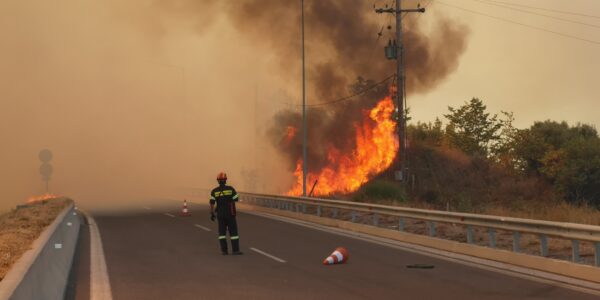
[156,254]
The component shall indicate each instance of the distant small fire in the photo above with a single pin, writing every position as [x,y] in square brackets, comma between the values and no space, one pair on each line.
[376,148]
[40,198]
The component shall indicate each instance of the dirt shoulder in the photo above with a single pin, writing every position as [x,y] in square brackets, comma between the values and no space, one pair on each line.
[20,227]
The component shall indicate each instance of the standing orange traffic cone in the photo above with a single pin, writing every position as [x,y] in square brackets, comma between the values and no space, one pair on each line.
[339,256]
[184,210]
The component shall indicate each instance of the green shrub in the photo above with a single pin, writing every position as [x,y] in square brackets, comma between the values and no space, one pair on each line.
[377,190]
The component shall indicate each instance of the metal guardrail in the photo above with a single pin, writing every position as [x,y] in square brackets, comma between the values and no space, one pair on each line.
[543,229]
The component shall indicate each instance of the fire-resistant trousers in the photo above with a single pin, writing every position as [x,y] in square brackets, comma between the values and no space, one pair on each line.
[228,223]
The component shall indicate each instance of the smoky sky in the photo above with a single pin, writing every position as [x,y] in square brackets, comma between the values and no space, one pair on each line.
[341,48]
[139,98]
[343,55]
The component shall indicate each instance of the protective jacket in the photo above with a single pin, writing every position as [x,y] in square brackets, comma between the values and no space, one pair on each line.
[225,197]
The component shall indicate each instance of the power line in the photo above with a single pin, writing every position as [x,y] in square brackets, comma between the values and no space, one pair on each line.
[519,23]
[414,20]
[537,14]
[346,98]
[419,5]
[349,97]
[547,9]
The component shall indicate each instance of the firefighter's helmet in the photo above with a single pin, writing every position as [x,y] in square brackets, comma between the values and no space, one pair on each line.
[222,176]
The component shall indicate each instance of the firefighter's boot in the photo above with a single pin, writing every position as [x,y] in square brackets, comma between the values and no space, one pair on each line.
[223,243]
[235,245]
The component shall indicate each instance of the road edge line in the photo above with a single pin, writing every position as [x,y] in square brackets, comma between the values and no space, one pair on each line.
[99,280]
[481,263]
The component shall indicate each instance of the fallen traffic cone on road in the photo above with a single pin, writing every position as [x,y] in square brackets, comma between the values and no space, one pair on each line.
[184,211]
[339,256]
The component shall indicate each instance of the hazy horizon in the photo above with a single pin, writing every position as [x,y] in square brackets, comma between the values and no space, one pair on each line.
[138,99]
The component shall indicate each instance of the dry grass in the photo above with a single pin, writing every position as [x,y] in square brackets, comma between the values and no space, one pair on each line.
[558,212]
[529,243]
[20,227]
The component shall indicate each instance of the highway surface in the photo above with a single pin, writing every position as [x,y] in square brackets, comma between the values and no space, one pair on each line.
[153,253]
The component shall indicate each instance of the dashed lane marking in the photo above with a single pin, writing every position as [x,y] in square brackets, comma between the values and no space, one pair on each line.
[169,215]
[202,227]
[267,255]
[147,208]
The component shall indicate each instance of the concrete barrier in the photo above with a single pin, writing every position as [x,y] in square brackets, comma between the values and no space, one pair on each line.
[43,271]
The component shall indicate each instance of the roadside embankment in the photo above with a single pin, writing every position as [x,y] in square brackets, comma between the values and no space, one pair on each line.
[36,249]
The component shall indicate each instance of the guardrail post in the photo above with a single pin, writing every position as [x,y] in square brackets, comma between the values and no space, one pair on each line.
[375,220]
[492,235]
[516,241]
[335,213]
[543,245]
[304,208]
[401,224]
[469,234]
[353,217]
[597,252]
[431,228]
[318,210]
[575,251]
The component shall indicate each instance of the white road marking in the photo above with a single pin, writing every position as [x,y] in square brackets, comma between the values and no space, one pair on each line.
[147,208]
[169,215]
[99,283]
[202,227]
[268,255]
[480,263]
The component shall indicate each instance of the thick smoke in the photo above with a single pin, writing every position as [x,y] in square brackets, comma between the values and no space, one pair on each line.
[138,98]
[340,42]
[340,47]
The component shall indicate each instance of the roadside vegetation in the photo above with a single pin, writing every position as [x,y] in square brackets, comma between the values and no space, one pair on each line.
[478,162]
[20,227]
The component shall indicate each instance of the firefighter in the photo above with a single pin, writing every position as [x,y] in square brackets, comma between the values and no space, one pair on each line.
[224,197]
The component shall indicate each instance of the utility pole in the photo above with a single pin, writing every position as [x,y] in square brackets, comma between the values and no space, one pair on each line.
[396,51]
[304,167]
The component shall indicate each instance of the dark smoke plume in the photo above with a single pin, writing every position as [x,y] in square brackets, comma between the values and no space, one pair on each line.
[340,43]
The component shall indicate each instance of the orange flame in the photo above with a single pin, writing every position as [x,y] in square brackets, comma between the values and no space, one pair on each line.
[376,147]
[40,198]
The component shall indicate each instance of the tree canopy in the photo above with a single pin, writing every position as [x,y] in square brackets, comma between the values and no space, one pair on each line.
[567,157]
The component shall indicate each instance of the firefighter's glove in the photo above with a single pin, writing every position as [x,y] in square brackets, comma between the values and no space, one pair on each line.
[212,216]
